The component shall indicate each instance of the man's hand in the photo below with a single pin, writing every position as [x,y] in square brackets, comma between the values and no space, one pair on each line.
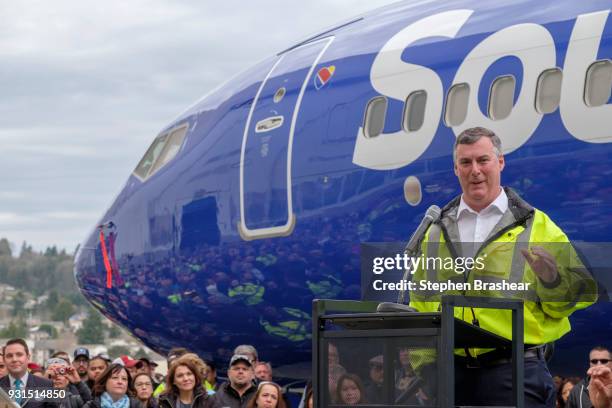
[73,375]
[600,386]
[543,264]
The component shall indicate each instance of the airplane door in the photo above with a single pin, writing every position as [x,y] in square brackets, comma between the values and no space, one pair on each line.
[265,160]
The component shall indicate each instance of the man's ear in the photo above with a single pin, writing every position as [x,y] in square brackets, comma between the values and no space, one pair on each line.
[502,162]
[455,169]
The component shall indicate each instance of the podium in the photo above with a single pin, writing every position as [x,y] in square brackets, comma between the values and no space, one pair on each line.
[402,358]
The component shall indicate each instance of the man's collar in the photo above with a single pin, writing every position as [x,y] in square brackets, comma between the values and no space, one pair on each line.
[24,379]
[500,203]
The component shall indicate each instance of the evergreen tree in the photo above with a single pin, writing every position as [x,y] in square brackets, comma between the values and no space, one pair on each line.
[63,310]
[15,329]
[5,248]
[92,331]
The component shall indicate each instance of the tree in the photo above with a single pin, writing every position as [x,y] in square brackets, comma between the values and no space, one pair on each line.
[141,353]
[114,332]
[49,329]
[92,331]
[117,351]
[15,329]
[5,247]
[63,310]
[18,303]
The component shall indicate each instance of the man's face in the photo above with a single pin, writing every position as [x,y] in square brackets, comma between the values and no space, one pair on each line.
[143,367]
[81,363]
[262,373]
[601,357]
[16,360]
[3,370]
[479,171]
[240,375]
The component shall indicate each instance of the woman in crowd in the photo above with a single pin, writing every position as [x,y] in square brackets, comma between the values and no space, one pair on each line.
[564,390]
[96,366]
[111,388]
[350,390]
[268,395]
[143,386]
[184,386]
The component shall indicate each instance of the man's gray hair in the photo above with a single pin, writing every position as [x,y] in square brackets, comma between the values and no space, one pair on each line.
[472,135]
[246,349]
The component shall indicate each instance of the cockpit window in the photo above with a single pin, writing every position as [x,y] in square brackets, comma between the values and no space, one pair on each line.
[163,149]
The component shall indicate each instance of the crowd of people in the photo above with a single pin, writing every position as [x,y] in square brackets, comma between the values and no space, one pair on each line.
[87,381]
[191,382]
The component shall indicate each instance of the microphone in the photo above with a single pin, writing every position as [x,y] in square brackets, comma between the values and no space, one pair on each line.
[412,247]
[431,215]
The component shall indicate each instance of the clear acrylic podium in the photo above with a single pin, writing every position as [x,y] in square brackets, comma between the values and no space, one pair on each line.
[402,358]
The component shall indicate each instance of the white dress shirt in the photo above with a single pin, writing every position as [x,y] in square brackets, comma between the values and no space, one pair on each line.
[24,380]
[476,226]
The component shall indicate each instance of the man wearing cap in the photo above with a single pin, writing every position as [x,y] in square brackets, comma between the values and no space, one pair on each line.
[146,366]
[81,362]
[18,380]
[238,391]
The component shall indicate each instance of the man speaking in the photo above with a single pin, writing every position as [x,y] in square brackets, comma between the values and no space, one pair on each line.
[517,243]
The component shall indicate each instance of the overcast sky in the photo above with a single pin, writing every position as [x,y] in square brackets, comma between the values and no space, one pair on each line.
[86,85]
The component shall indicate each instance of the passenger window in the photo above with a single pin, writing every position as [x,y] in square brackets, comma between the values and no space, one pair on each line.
[457,104]
[173,145]
[151,156]
[501,97]
[414,111]
[548,91]
[374,119]
[598,83]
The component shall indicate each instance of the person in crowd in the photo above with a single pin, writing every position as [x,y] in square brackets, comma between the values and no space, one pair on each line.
[16,358]
[3,370]
[81,362]
[350,390]
[96,366]
[36,370]
[335,372]
[564,390]
[240,388]
[247,350]
[143,388]
[112,389]
[130,364]
[579,396]
[600,388]
[211,378]
[203,369]
[268,395]
[309,399]
[173,354]
[374,389]
[263,371]
[65,377]
[144,365]
[184,386]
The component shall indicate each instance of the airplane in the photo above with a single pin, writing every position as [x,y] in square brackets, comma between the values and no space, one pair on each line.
[254,201]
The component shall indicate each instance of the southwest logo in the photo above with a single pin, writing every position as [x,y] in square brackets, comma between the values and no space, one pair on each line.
[323,76]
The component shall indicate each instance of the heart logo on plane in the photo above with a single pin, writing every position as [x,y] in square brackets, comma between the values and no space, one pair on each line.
[323,76]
